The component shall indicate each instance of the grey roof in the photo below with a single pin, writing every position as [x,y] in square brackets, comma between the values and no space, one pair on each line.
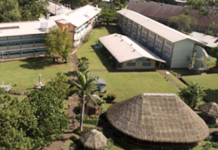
[26,28]
[210,109]
[209,40]
[157,117]
[79,16]
[100,81]
[156,27]
[125,49]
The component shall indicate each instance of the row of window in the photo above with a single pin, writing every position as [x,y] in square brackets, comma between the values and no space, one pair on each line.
[23,52]
[145,64]
[23,42]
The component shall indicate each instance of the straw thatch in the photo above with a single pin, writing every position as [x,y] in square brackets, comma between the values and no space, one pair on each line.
[163,118]
[210,109]
[93,139]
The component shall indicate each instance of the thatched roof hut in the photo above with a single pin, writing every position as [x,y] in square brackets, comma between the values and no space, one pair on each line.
[93,140]
[210,111]
[158,118]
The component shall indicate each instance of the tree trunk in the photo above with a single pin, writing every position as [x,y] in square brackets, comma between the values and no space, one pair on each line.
[107,22]
[53,59]
[82,113]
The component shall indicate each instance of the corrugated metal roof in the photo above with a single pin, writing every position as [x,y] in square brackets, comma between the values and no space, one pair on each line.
[125,49]
[156,27]
[100,81]
[165,11]
[209,40]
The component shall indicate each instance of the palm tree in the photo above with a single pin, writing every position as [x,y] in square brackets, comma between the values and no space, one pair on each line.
[84,86]
[83,64]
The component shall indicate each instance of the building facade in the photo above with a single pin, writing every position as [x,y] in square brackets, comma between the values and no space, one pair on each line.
[23,39]
[174,47]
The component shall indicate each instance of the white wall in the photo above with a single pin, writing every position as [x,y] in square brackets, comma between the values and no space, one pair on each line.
[181,51]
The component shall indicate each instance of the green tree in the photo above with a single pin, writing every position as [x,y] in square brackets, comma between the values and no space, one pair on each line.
[192,94]
[214,53]
[50,113]
[108,15]
[184,22]
[17,121]
[83,64]
[58,43]
[9,11]
[84,86]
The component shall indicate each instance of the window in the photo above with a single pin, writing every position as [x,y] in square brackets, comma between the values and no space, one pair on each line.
[146,64]
[38,41]
[3,44]
[27,42]
[14,43]
[131,64]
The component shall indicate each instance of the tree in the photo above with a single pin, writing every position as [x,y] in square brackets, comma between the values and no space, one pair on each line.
[84,86]
[108,15]
[214,53]
[58,43]
[17,123]
[184,22]
[192,94]
[9,11]
[83,64]
[76,3]
[50,113]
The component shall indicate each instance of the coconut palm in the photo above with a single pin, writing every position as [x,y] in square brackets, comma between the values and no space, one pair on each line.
[83,64]
[84,86]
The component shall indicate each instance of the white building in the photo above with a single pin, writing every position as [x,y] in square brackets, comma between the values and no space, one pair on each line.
[176,48]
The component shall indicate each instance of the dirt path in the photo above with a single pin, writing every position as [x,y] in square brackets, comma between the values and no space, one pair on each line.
[73,100]
[163,72]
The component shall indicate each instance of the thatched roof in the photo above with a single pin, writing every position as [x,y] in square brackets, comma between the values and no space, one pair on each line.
[158,118]
[210,109]
[93,139]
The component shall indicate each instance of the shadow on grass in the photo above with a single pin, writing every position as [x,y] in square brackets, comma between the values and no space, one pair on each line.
[102,57]
[110,28]
[38,63]
[212,95]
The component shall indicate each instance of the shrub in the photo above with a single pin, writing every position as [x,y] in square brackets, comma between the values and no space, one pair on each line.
[111,96]
[215,144]
[209,138]
[101,95]
[208,146]
[212,125]
[110,144]
[91,121]
[74,138]
[77,131]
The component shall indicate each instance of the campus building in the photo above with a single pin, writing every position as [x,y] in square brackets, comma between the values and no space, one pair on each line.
[177,49]
[129,54]
[79,21]
[23,39]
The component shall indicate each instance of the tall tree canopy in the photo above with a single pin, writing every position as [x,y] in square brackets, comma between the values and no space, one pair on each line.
[22,10]
[108,15]
[192,94]
[58,43]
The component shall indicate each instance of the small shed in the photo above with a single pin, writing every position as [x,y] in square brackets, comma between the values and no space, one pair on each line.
[93,140]
[91,107]
[101,85]
[210,112]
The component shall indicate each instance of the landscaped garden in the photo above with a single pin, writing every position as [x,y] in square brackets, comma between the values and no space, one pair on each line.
[24,74]
[209,82]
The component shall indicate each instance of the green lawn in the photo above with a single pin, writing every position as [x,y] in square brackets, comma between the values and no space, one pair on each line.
[25,73]
[123,84]
[209,82]
[97,61]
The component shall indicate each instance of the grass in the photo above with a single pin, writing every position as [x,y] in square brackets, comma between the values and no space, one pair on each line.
[124,84]
[128,84]
[97,61]
[25,73]
[209,82]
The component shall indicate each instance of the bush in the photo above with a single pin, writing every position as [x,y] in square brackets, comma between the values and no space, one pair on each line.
[101,95]
[212,125]
[208,146]
[209,138]
[74,138]
[110,144]
[215,144]
[111,97]
[91,121]
[77,131]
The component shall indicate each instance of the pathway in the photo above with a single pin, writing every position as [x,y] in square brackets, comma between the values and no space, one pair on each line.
[163,72]
[73,100]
